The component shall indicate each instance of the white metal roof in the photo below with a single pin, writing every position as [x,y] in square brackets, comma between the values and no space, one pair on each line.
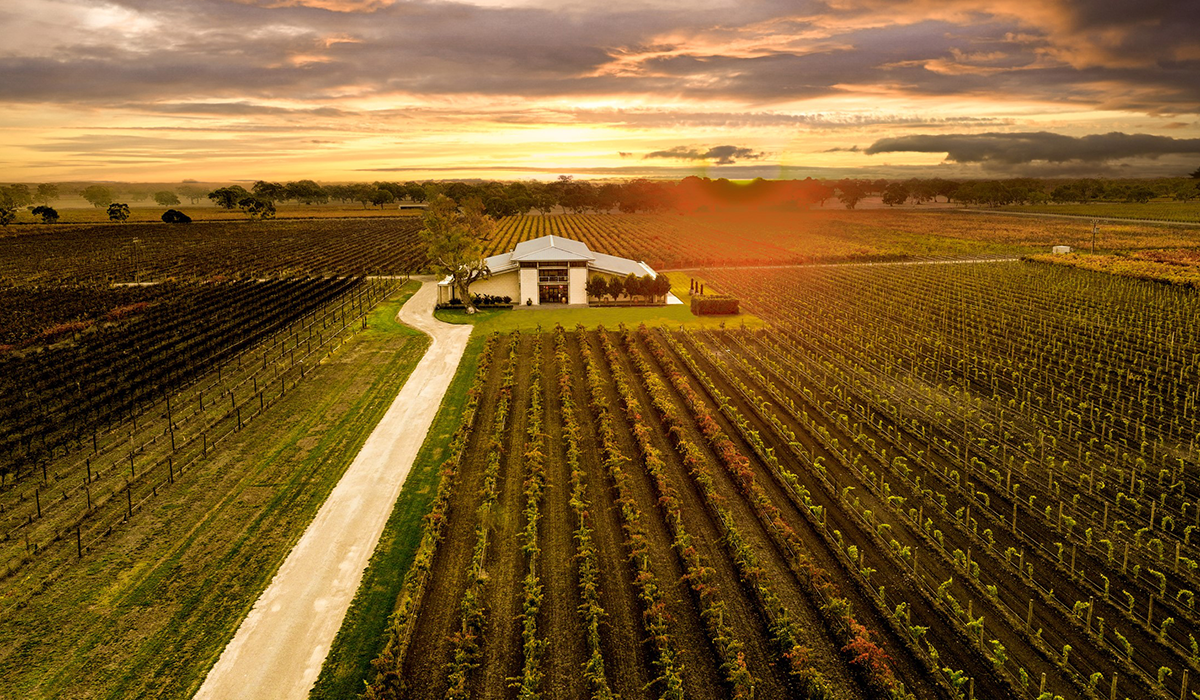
[619,266]
[559,249]
[551,249]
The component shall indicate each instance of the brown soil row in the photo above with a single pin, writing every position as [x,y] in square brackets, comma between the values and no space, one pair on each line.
[826,656]
[701,677]
[743,613]
[502,656]
[627,654]
[952,647]
[424,665]
[1087,655]
[560,619]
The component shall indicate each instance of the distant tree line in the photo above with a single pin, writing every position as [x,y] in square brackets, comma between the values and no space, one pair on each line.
[691,194]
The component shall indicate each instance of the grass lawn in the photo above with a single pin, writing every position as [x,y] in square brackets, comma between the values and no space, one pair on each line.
[531,318]
[1163,211]
[146,612]
[361,636]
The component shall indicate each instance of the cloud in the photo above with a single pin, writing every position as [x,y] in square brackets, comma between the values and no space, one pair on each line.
[764,53]
[1028,147]
[723,155]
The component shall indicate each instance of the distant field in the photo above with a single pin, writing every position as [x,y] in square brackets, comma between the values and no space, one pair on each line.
[202,250]
[666,241]
[1180,267]
[390,245]
[77,211]
[1160,211]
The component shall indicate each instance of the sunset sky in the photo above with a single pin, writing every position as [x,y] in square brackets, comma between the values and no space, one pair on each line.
[346,90]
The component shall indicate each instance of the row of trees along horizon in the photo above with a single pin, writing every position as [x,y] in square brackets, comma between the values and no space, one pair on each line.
[640,195]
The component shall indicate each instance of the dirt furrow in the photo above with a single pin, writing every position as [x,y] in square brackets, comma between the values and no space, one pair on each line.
[501,657]
[424,665]
[701,676]
[628,659]
[567,650]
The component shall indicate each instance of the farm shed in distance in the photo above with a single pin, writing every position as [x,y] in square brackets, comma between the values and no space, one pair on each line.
[547,270]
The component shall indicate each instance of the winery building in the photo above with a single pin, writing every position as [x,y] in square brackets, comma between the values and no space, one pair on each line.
[547,270]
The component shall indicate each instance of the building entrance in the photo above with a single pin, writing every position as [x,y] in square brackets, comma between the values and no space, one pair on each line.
[552,294]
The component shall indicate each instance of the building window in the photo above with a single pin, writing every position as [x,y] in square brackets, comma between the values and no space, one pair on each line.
[552,275]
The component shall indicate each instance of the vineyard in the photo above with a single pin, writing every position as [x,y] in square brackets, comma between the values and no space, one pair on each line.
[936,481]
[666,241]
[933,481]
[95,429]
[128,253]
[204,250]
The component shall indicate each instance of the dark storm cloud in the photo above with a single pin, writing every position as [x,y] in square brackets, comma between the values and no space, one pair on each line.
[228,54]
[721,155]
[1019,148]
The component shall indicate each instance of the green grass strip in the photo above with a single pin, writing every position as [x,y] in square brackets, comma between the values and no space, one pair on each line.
[362,635]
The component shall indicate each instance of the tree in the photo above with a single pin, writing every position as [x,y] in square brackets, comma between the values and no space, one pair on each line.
[257,207]
[174,216]
[47,192]
[616,287]
[660,286]
[166,198]
[895,193]
[499,206]
[48,214]
[193,193]
[8,205]
[97,195]
[119,212]
[306,192]
[455,238]
[850,192]
[228,197]
[272,191]
[17,195]
[381,197]
[415,192]
[596,287]
[1140,194]
[633,286]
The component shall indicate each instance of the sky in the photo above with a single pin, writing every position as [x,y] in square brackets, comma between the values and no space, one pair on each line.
[363,90]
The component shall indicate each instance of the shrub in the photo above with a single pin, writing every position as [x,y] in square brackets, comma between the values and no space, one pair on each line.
[713,305]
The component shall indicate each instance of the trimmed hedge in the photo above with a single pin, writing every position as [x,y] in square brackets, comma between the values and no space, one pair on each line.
[713,305]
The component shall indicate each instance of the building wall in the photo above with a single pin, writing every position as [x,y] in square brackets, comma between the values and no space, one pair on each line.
[529,285]
[503,285]
[506,284]
[576,289]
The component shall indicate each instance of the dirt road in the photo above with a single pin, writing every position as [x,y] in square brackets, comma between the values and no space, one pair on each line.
[278,650]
